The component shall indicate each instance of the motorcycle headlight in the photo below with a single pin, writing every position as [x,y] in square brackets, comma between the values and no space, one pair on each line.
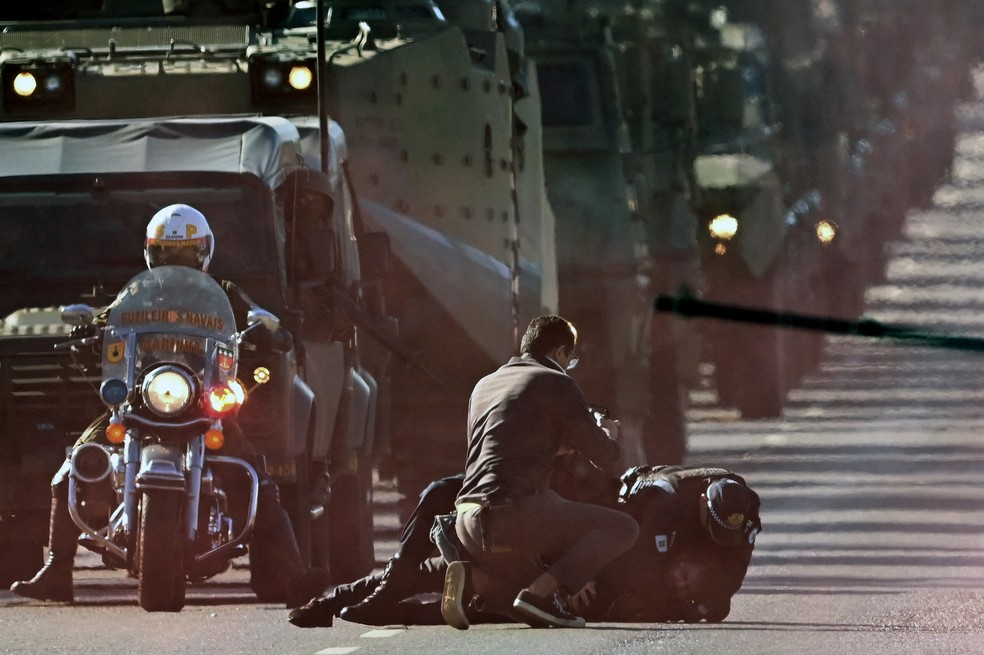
[167,391]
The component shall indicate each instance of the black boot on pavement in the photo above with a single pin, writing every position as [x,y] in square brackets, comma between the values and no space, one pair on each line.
[319,613]
[54,581]
[398,583]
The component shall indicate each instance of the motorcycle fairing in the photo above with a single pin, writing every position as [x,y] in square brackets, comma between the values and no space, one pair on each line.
[173,315]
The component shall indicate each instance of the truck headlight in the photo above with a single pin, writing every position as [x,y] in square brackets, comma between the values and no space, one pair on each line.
[723,227]
[167,391]
[38,87]
[278,80]
[826,231]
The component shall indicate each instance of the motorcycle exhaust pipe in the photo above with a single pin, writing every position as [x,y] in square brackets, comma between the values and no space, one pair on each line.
[91,463]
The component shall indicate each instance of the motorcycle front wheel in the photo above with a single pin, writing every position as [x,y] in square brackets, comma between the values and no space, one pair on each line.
[160,552]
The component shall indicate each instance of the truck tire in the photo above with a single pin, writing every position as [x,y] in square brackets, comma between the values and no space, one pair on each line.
[296,499]
[350,525]
[665,430]
[763,368]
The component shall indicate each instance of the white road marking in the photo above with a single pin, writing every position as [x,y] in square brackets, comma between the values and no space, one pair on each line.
[382,634]
[338,650]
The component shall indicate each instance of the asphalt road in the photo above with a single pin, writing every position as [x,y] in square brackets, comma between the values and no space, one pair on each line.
[872,487]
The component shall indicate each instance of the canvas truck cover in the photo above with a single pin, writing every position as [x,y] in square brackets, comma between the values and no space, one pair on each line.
[266,147]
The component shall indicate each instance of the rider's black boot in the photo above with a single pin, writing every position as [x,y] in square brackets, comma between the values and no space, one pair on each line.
[54,580]
[278,570]
[399,582]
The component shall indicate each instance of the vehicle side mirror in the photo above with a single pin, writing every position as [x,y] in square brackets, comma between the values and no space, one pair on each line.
[374,255]
[267,319]
[319,252]
[78,315]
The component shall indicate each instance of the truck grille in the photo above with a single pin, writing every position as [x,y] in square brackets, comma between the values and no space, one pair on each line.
[45,404]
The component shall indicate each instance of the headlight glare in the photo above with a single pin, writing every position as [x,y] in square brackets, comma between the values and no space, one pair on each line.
[222,400]
[300,77]
[167,391]
[826,231]
[723,227]
[25,84]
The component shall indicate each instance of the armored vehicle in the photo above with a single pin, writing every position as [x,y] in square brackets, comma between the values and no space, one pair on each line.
[615,91]
[446,157]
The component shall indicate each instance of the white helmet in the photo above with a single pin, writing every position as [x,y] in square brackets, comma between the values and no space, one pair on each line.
[179,235]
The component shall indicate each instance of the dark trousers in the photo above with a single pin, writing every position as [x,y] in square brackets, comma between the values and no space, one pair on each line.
[437,498]
[577,539]
[416,550]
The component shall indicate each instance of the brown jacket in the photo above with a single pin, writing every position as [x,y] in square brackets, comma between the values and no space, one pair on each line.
[518,418]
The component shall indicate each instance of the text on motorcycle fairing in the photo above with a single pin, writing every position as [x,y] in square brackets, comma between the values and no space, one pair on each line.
[169,345]
[196,319]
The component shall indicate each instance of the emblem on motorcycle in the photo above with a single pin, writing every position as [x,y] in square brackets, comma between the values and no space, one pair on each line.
[114,351]
[223,357]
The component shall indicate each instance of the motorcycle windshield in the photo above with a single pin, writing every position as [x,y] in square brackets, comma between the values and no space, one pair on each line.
[171,315]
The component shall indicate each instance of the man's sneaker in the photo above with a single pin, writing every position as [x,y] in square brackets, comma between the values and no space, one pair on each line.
[457,594]
[538,612]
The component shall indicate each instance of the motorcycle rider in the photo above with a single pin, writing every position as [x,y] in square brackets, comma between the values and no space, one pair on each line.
[520,418]
[179,235]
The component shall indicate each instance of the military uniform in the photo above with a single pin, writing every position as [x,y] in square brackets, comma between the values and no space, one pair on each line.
[666,502]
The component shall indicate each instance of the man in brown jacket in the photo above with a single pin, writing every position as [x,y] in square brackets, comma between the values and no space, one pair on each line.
[519,418]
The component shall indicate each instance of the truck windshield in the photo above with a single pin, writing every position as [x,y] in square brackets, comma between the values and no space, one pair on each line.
[565,93]
[89,228]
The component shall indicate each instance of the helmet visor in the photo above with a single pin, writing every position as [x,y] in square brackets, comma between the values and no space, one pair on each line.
[193,253]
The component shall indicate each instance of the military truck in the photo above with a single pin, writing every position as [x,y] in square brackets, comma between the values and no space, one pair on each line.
[444,155]
[616,133]
[77,195]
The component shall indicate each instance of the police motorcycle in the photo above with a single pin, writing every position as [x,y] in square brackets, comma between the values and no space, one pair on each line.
[153,496]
